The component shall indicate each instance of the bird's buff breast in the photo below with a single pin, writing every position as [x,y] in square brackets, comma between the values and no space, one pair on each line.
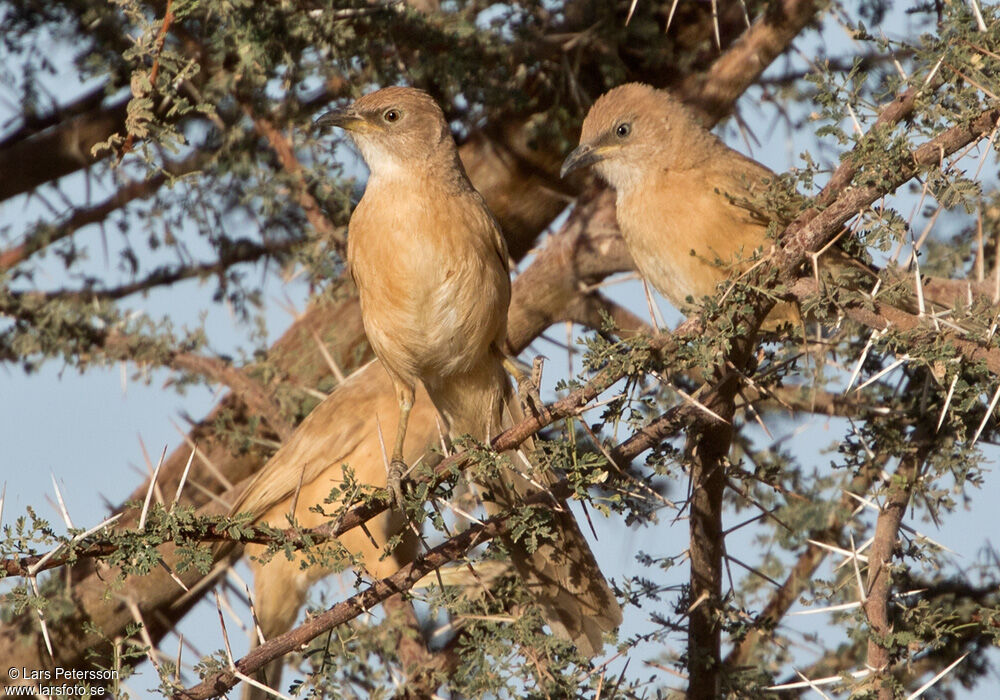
[661,241]
[431,298]
[683,237]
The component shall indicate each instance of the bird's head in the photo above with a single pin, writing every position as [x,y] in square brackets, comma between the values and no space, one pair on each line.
[395,128]
[630,129]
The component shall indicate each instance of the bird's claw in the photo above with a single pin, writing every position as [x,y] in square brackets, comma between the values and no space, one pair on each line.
[528,389]
[394,482]
[527,385]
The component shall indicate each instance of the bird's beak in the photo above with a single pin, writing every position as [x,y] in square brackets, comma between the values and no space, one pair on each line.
[582,156]
[346,119]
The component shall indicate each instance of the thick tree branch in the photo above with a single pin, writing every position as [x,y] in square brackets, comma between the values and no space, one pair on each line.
[816,226]
[255,395]
[57,151]
[880,316]
[879,583]
[715,91]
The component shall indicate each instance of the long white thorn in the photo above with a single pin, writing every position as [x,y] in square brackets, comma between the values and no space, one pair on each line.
[458,511]
[989,412]
[209,464]
[253,616]
[177,663]
[149,491]
[857,555]
[920,691]
[980,24]
[921,308]
[698,404]
[670,16]
[947,403]
[631,10]
[225,633]
[857,572]
[861,360]
[257,684]
[934,70]
[812,685]
[903,526]
[848,606]
[881,373]
[338,374]
[62,504]
[184,476]
[41,618]
[655,317]
[838,550]
[829,680]
[143,632]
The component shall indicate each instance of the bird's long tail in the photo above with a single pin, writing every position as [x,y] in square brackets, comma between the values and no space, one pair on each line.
[562,574]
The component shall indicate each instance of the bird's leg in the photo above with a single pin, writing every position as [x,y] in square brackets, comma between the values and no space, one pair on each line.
[397,465]
[527,385]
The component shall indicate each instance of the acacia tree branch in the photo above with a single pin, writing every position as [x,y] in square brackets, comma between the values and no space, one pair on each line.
[240,251]
[715,91]
[57,151]
[666,425]
[422,667]
[879,583]
[816,226]
[404,579]
[32,124]
[290,163]
[503,186]
[43,236]
[669,423]
[880,316]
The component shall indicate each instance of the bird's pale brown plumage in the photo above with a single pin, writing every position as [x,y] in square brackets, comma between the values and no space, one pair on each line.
[428,259]
[682,194]
[430,264]
[340,431]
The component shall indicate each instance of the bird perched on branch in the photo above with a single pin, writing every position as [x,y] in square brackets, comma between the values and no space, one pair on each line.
[684,198]
[340,431]
[431,268]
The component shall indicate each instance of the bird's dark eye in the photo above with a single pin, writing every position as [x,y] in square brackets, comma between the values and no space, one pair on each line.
[623,130]
[391,115]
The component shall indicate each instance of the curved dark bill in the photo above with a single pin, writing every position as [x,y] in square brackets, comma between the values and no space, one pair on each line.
[581,157]
[344,118]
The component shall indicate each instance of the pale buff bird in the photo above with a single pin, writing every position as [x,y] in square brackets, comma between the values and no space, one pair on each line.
[340,431]
[430,264]
[682,194]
